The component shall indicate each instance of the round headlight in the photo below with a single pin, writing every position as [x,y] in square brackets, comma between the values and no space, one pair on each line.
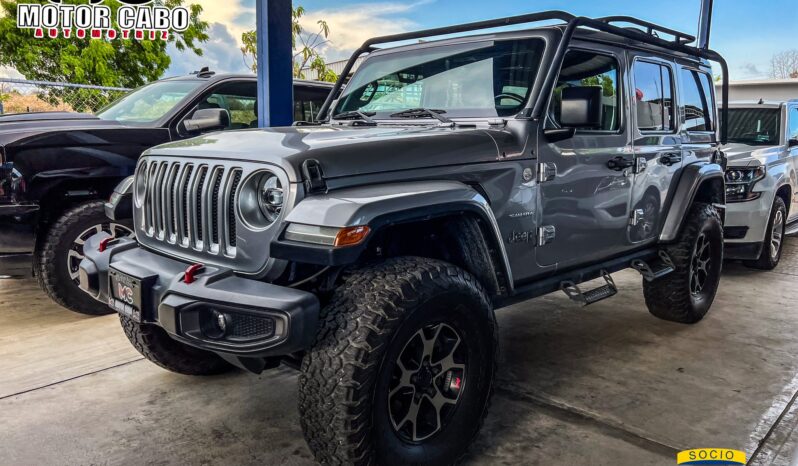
[140,185]
[261,199]
[270,196]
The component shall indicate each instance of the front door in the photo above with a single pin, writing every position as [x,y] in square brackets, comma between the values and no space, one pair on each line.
[585,205]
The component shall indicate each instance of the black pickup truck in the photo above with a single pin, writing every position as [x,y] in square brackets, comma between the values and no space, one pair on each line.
[57,168]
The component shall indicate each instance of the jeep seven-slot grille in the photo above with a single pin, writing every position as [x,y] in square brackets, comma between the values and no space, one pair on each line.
[191,205]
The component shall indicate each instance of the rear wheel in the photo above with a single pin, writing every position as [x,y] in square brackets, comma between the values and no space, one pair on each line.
[403,365]
[686,294]
[61,250]
[774,238]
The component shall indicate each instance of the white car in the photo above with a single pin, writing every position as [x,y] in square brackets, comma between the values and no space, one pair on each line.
[761,181]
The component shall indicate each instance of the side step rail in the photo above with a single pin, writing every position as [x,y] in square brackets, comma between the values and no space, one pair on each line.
[595,295]
[791,229]
[658,269]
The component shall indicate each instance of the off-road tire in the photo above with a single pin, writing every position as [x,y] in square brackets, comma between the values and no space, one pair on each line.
[50,263]
[670,297]
[766,260]
[374,312]
[156,345]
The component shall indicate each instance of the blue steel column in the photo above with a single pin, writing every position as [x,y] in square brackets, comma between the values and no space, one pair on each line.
[275,81]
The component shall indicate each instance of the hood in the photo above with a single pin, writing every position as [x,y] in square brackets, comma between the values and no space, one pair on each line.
[35,127]
[743,155]
[346,150]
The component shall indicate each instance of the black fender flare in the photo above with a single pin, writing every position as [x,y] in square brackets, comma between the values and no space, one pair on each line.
[692,178]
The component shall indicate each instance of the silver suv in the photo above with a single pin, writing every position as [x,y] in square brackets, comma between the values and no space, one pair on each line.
[449,178]
[761,181]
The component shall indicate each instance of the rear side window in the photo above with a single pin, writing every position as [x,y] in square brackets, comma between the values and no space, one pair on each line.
[697,98]
[587,69]
[793,134]
[653,96]
[308,102]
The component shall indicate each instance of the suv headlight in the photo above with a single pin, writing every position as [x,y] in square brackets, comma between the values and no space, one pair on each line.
[261,199]
[740,183]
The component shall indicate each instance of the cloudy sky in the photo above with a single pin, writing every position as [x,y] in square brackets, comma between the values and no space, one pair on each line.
[747,32]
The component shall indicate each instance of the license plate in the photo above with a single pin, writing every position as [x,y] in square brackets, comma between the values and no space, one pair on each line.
[125,295]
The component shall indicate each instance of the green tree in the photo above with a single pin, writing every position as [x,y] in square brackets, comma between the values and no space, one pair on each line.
[118,62]
[306,46]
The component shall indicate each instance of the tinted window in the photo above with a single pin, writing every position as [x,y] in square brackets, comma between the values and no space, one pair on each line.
[697,98]
[307,102]
[793,133]
[581,69]
[754,126]
[653,96]
[238,99]
[482,79]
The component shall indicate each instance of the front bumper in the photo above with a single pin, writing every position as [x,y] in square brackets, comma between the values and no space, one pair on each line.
[17,238]
[186,311]
[745,227]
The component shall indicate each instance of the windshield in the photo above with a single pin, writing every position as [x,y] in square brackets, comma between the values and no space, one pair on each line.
[482,79]
[754,126]
[149,103]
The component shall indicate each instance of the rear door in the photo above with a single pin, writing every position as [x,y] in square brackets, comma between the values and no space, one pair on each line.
[657,145]
[586,203]
[697,108]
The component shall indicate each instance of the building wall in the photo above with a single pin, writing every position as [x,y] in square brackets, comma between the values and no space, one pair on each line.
[774,89]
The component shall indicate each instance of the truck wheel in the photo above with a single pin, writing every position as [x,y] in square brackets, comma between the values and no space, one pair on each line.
[774,238]
[61,250]
[402,368]
[686,294]
[156,345]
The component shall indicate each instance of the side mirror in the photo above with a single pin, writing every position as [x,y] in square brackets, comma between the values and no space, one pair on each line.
[792,142]
[207,119]
[581,107]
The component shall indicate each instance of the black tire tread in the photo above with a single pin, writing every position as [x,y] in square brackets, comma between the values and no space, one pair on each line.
[154,344]
[666,298]
[765,262]
[44,263]
[355,328]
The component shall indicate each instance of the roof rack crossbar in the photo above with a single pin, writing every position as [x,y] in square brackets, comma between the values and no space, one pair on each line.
[572,23]
[681,37]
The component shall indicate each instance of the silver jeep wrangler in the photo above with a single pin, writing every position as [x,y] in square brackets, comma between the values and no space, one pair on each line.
[761,180]
[450,178]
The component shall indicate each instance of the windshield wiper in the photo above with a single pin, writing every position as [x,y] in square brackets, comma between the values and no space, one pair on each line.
[422,112]
[356,115]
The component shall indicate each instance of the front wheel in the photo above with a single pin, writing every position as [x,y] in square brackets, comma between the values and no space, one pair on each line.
[774,238]
[403,366]
[61,250]
[687,293]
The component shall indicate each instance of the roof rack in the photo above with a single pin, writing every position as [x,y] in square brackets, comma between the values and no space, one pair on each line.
[651,28]
[570,23]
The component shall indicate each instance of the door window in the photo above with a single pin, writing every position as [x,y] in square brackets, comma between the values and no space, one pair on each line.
[583,69]
[239,99]
[653,96]
[793,123]
[308,102]
[697,98]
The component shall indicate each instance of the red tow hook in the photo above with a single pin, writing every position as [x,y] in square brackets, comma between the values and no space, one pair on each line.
[104,243]
[191,272]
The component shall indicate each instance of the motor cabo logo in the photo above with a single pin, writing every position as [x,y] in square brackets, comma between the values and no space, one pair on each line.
[134,19]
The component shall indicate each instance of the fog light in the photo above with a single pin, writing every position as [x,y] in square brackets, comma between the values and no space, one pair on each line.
[216,325]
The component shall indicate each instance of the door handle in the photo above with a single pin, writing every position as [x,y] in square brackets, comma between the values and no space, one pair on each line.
[671,159]
[619,163]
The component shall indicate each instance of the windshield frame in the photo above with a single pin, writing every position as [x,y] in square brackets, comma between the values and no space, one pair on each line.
[166,117]
[547,36]
[780,125]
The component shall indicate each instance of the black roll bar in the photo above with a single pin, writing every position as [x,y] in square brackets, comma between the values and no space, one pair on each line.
[571,24]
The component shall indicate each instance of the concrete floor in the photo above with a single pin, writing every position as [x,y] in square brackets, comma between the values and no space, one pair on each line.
[604,385]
